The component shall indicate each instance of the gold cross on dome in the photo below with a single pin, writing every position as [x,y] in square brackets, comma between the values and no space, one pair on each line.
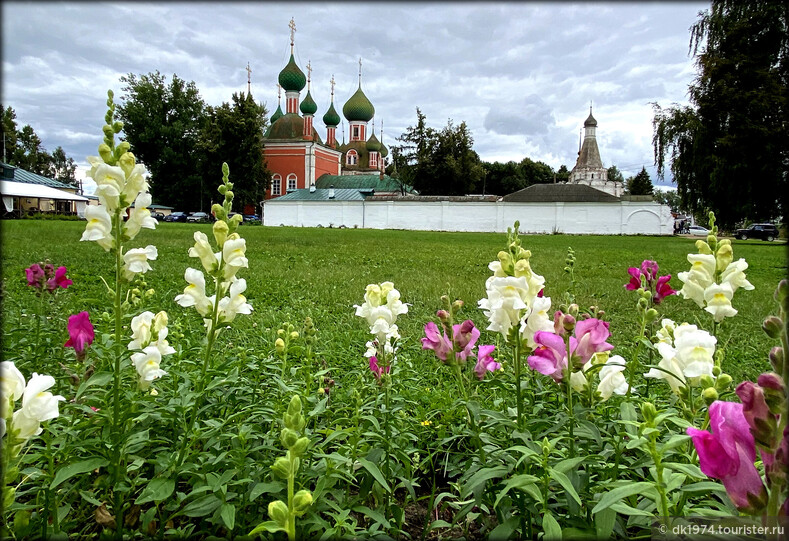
[279,93]
[249,78]
[360,70]
[332,86]
[309,71]
[292,26]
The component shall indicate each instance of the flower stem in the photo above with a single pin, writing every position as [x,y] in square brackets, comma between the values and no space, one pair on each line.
[116,387]
[518,393]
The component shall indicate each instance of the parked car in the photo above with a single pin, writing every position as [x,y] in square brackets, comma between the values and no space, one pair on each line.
[698,231]
[157,215]
[198,217]
[175,217]
[251,218]
[766,232]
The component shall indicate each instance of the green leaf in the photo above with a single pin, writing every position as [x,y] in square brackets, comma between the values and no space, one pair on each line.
[604,523]
[562,479]
[375,472]
[84,466]
[375,515]
[202,506]
[99,378]
[268,526]
[264,488]
[156,490]
[505,529]
[568,464]
[228,514]
[613,496]
[88,497]
[519,482]
[704,486]
[550,527]
[628,413]
[481,477]
[623,509]
[674,441]
[691,470]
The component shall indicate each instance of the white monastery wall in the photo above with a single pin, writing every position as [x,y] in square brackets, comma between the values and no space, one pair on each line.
[622,218]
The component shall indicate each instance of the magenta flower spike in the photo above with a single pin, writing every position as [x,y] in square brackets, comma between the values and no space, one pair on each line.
[59,279]
[649,269]
[728,454]
[465,336]
[81,335]
[35,275]
[591,335]
[635,279]
[377,370]
[550,356]
[485,362]
[439,343]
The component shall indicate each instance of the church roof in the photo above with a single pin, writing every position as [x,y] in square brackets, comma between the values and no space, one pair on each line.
[291,78]
[290,127]
[358,107]
[308,105]
[277,114]
[384,152]
[567,193]
[331,118]
[589,157]
[590,120]
[357,182]
[373,144]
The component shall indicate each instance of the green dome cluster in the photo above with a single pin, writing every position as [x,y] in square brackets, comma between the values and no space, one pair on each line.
[331,118]
[358,108]
[291,78]
[277,114]
[308,106]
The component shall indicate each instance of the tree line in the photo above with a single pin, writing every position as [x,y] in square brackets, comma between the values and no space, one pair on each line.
[23,148]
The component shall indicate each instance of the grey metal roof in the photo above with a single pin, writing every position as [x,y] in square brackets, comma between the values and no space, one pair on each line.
[568,193]
[20,175]
[322,194]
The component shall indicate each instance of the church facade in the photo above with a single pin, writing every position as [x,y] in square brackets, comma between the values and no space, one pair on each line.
[589,168]
[295,153]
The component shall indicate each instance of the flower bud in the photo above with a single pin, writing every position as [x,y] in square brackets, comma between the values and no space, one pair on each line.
[774,391]
[281,467]
[222,189]
[703,247]
[710,395]
[724,255]
[546,446]
[773,326]
[777,359]
[707,381]
[782,292]
[294,406]
[229,195]
[159,322]
[280,332]
[220,230]
[127,162]
[288,437]
[643,303]
[443,316]
[279,345]
[293,335]
[649,412]
[568,322]
[279,513]
[457,305]
[321,391]
[723,382]
[107,129]
[117,126]
[106,153]
[300,446]
[301,502]
[716,371]
[651,315]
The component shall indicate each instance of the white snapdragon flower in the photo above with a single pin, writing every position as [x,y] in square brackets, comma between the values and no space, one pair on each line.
[505,302]
[136,260]
[612,378]
[233,252]
[691,357]
[147,363]
[99,226]
[110,181]
[135,183]
[38,405]
[203,250]
[665,333]
[700,276]
[141,327]
[536,319]
[718,299]
[194,293]
[12,386]
[381,307]
[235,304]
[578,381]
[140,216]
[734,275]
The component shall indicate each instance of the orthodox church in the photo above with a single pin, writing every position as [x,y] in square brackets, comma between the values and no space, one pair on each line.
[294,151]
[589,168]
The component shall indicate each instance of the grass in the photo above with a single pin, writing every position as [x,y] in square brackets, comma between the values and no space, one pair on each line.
[322,273]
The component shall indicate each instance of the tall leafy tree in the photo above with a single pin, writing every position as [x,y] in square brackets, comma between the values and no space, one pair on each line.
[415,153]
[727,151]
[233,133]
[640,184]
[562,174]
[614,174]
[9,132]
[162,121]
[63,168]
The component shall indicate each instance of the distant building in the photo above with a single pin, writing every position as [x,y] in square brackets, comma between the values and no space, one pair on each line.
[24,191]
[589,168]
[293,150]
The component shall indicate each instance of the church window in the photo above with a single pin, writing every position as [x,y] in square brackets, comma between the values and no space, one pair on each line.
[351,158]
[276,185]
[291,182]
[356,132]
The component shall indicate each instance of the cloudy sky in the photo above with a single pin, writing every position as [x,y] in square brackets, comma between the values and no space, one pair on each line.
[521,75]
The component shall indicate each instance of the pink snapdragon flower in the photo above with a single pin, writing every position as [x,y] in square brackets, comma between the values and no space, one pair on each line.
[35,275]
[47,277]
[550,356]
[485,362]
[58,279]
[591,335]
[647,277]
[728,454]
[465,336]
[438,342]
[80,332]
[662,289]
[378,371]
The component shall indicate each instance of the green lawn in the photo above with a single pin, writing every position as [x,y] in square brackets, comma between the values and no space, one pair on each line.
[322,273]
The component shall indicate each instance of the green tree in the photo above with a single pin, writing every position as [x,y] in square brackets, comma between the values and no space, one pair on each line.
[669,198]
[233,133]
[562,174]
[535,172]
[640,184]
[614,174]
[30,154]
[416,155]
[162,121]
[63,168]
[9,133]
[727,151]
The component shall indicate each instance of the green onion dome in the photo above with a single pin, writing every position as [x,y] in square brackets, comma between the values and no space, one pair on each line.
[384,152]
[373,145]
[308,106]
[291,78]
[331,118]
[590,121]
[358,108]
[277,114]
